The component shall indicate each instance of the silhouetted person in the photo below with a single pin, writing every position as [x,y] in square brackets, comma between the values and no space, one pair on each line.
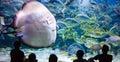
[104,57]
[31,58]
[16,54]
[53,58]
[79,55]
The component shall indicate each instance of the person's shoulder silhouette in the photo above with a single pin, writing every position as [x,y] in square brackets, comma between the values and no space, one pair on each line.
[79,55]
[53,58]
[104,57]
[16,54]
[31,58]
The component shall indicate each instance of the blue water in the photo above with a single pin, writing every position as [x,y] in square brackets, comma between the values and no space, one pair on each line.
[84,24]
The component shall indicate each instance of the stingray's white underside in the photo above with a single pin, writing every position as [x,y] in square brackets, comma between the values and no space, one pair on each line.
[36,25]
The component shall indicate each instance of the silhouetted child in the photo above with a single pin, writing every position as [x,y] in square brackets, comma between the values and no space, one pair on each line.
[104,57]
[79,55]
[31,58]
[53,58]
[16,54]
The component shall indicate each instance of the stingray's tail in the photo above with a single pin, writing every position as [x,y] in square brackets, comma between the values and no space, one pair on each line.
[4,26]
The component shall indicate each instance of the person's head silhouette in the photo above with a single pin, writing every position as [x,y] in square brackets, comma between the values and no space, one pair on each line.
[105,49]
[53,58]
[16,54]
[32,57]
[79,54]
[17,44]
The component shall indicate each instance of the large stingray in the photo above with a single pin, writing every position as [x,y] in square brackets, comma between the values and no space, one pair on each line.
[35,25]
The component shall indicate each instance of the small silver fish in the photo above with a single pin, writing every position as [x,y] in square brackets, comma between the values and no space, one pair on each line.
[113,38]
[96,47]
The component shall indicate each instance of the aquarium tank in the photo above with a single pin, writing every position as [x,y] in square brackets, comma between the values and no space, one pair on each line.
[60,27]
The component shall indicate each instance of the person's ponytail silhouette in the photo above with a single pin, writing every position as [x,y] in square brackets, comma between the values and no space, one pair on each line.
[104,57]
